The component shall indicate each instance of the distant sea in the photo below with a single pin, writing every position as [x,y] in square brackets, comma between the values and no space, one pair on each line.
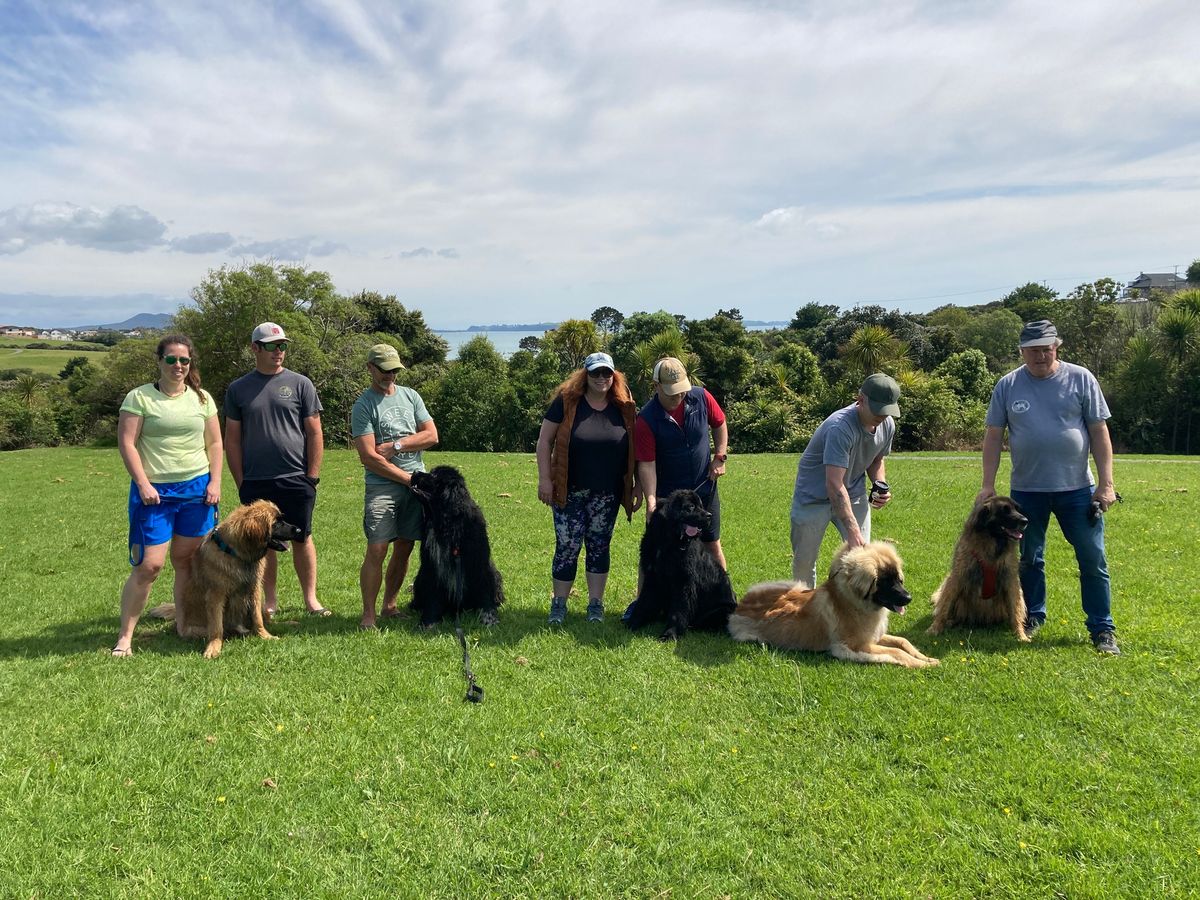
[509,342]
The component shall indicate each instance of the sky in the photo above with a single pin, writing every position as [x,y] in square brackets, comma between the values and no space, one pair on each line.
[491,162]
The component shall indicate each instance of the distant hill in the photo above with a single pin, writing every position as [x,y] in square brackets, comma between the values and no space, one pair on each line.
[141,320]
[535,326]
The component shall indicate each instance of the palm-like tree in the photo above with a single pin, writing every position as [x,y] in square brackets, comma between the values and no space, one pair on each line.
[28,388]
[872,348]
[1179,332]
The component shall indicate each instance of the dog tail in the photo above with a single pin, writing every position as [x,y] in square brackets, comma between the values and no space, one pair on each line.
[162,611]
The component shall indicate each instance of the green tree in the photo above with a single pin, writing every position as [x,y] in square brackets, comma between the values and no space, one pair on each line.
[1088,321]
[1179,331]
[475,406]
[724,352]
[573,341]
[608,320]
[1031,302]
[1139,401]
[812,315]
[968,375]
[872,348]
[1193,272]
[997,333]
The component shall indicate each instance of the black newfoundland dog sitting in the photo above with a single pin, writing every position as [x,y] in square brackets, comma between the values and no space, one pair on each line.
[456,571]
[681,582]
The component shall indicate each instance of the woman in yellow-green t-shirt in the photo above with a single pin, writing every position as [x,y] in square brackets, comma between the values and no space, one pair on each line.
[170,442]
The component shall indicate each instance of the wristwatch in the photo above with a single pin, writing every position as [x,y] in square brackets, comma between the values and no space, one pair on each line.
[721,457]
[398,446]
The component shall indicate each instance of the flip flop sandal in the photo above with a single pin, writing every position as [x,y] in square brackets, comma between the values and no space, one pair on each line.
[122,652]
[322,612]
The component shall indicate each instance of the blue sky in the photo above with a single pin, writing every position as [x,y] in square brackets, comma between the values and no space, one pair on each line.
[516,162]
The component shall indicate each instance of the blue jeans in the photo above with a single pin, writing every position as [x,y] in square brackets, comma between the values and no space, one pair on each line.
[1071,510]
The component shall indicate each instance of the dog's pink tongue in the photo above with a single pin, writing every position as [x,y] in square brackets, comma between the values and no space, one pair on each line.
[901,610]
[691,530]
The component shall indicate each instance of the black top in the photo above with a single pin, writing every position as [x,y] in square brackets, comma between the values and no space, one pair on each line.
[599,448]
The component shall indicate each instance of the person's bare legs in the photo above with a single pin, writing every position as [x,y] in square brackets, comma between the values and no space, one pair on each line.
[135,593]
[304,558]
[393,578]
[270,575]
[183,552]
[370,576]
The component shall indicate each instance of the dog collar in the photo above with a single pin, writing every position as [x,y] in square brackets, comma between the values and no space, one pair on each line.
[222,546]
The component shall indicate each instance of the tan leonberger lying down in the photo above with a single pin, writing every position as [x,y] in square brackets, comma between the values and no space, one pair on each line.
[846,616]
[224,594]
[984,584]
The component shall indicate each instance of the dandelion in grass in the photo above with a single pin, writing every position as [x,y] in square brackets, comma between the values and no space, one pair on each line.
[514,757]
[279,728]
[1022,845]
[733,750]
[220,799]
[1007,811]
[633,746]
[492,765]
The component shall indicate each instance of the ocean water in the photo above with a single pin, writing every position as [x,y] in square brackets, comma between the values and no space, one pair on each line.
[506,342]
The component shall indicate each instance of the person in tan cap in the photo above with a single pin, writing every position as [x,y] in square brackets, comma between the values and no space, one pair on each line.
[671,441]
[274,445]
[390,427]
[831,478]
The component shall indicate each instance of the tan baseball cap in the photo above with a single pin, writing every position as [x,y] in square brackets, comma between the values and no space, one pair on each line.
[670,375]
[385,357]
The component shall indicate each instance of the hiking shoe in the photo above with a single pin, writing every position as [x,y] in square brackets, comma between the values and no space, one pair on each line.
[558,611]
[1033,626]
[595,610]
[1106,642]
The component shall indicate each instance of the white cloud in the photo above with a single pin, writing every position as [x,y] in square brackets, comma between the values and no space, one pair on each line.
[631,153]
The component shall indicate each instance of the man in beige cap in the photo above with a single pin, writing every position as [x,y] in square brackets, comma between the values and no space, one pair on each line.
[671,441]
[391,428]
[831,478]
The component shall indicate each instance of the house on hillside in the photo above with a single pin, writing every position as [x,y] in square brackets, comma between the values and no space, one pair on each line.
[54,335]
[1166,282]
[17,331]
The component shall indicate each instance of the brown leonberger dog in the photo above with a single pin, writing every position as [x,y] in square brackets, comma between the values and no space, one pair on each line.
[984,586]
[847,616]
[224,595]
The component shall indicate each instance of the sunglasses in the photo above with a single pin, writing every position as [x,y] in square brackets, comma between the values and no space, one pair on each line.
[182,360]
[274,345]
[601,373]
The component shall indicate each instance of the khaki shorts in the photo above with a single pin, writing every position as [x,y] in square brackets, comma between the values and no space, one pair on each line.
[391,512]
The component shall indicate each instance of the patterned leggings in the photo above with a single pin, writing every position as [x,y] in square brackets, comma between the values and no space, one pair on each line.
[586,520]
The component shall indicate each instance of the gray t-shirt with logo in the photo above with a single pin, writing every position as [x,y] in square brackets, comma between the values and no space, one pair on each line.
[1047,421]
[272,410]
[841,440]
[390,418]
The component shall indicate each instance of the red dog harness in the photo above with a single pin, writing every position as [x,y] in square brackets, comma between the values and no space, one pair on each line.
[990,573]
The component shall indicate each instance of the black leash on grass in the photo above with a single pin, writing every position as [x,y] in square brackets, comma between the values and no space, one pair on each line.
[474,690]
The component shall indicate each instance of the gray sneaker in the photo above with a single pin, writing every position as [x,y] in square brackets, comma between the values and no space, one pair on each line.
[1033,626]
[1106,642]
[558,611]
[595,610]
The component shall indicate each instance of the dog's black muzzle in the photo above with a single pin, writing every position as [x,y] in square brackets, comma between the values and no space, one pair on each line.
[893,597]
[281,532]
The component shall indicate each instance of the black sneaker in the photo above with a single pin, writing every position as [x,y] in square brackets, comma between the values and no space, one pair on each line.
[1033,626]
[1106,642]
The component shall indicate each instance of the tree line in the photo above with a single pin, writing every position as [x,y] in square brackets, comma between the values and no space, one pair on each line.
[776,385]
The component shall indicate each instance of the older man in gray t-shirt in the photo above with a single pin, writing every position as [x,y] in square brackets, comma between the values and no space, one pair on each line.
[1055,415]
[831,478]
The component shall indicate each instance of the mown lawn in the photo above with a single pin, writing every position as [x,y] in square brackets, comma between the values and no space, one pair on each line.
[339,763]
[46,362]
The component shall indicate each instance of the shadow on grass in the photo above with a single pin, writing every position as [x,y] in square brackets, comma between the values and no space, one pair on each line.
[91,635]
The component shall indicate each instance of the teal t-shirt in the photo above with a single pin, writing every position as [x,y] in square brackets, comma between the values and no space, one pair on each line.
[390,418]
[171,444]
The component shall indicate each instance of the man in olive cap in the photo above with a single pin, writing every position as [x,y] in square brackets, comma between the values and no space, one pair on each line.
[390,427]
[831,478]
[1055,414]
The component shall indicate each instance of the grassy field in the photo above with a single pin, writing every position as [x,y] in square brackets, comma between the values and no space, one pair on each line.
[602,764]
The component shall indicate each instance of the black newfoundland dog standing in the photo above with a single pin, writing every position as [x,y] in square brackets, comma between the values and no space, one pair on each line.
[456,571]
[681,582]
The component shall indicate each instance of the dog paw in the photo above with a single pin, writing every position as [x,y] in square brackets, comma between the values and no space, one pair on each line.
[212,652]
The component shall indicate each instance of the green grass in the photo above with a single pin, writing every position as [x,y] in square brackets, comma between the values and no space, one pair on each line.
[336,763]
[49,362]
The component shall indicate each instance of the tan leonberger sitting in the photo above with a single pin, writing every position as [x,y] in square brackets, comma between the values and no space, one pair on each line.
[984,587]
[846,616]
[224,595]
